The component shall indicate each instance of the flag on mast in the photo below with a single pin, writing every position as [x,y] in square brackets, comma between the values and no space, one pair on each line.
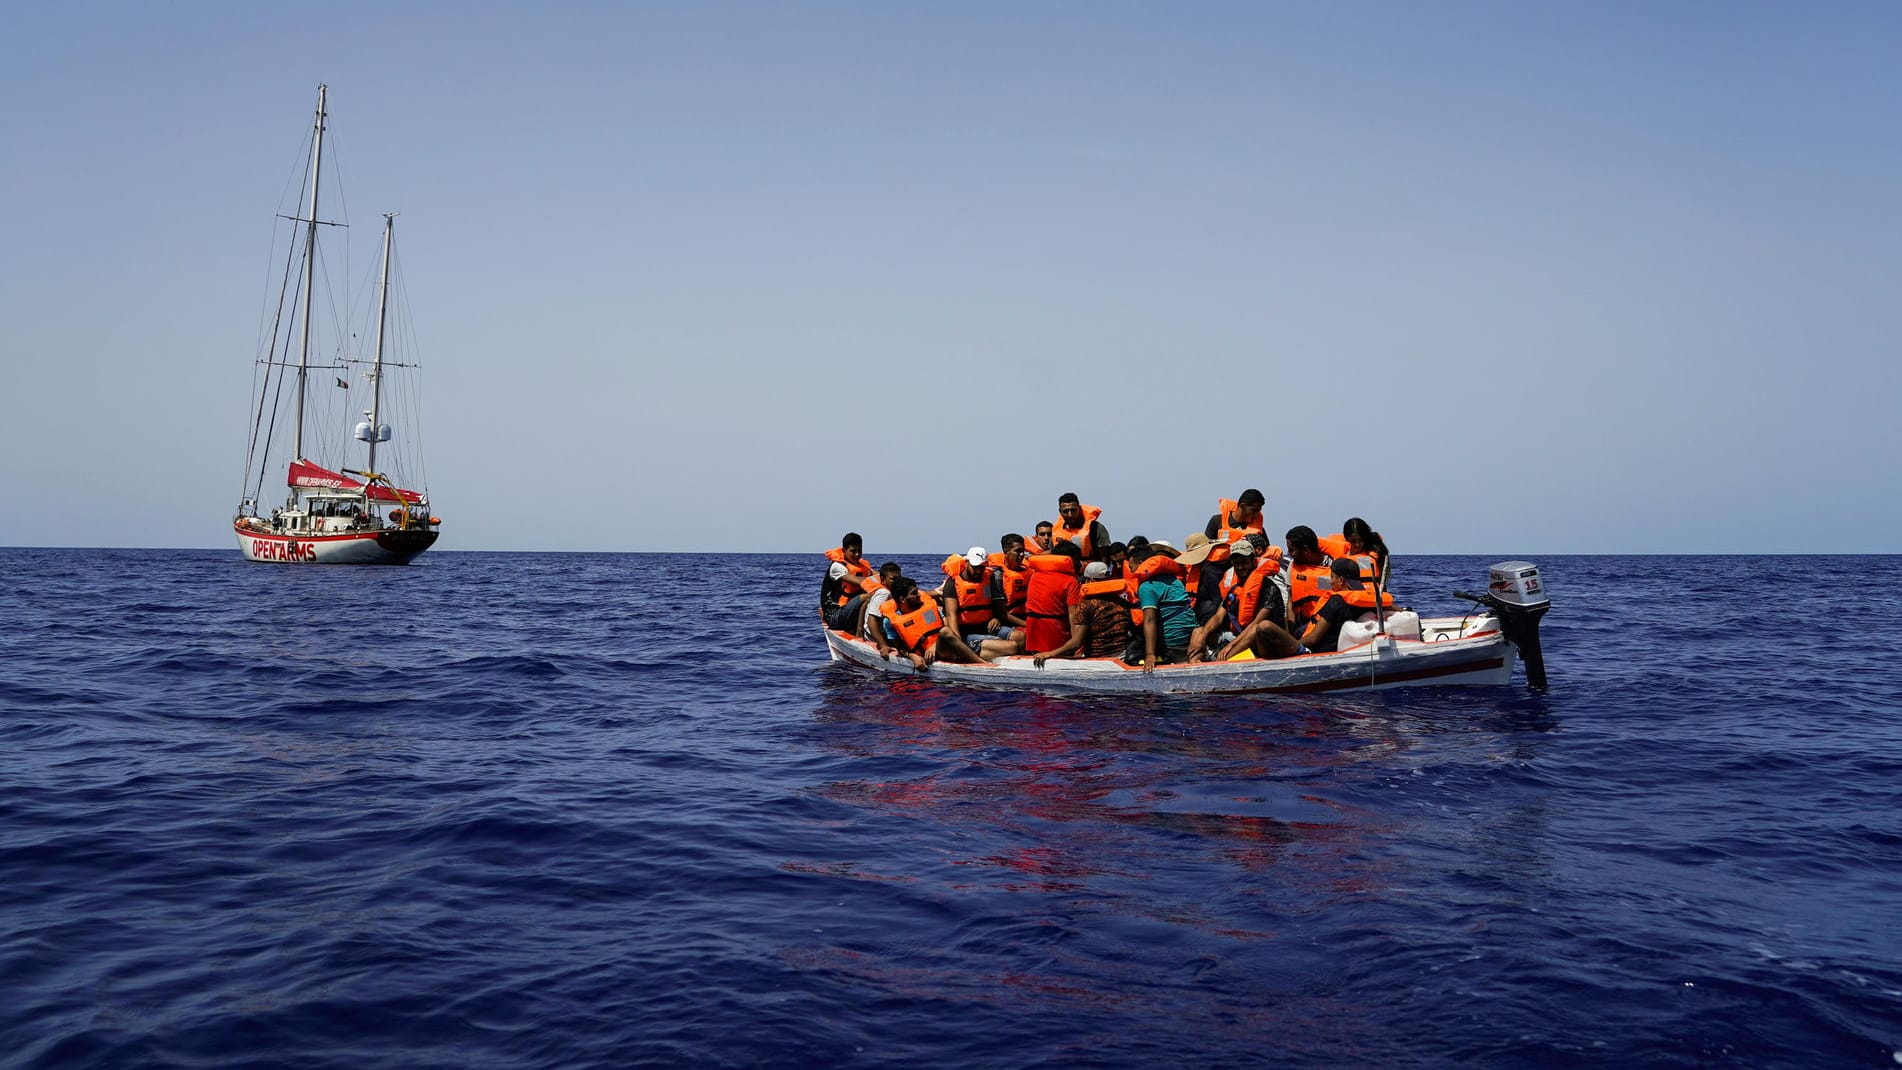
[342,383]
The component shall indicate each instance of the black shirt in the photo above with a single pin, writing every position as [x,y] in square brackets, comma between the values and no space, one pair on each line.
[1336,613]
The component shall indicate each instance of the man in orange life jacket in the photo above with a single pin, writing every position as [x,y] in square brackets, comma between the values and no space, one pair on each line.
[910,624]
[1040,538]
[974,606]
[1008,566]
[1238,519]
[840,593]
[1248,594]
[870,616]
[1078,523]
[1307,576]
[1348,600]
[1052,593]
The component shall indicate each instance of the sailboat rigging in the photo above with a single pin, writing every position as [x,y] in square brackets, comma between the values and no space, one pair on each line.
[328,516]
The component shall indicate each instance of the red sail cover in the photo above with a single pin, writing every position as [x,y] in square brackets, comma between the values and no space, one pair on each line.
[306,474]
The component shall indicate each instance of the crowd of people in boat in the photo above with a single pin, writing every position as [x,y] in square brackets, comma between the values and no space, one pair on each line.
[1069,591]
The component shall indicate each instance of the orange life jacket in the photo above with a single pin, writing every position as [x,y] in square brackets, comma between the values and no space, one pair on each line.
[919,628]
[1080,536]
[974,598]
[1046,610]
[1122,590]
[1130,583]
[1336,545]
[1364,599]
[1015,580]
[1157,565]
[1226,535]
[1308,587]
[1243,598]
[854,580]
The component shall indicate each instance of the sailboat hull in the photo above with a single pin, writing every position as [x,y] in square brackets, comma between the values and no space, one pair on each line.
[390,546]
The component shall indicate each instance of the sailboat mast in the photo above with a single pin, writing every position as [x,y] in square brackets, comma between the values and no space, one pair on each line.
[310,267]
[382,319]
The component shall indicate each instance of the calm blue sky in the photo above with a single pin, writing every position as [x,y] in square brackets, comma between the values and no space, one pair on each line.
[1504,278]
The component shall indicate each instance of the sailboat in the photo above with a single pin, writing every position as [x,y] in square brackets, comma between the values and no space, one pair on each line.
[331,515]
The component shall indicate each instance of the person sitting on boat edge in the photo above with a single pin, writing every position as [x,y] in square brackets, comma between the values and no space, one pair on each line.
[1255,609]
[1077,523]
[870,619]
[1099,622]
[973,597]
[841,584]
[1349,600]
[912,624]
[1169,626]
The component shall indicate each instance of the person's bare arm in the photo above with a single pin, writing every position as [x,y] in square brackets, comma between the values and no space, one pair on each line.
[1079,634]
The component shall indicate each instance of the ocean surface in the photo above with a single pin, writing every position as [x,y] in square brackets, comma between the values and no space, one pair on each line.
[616,810]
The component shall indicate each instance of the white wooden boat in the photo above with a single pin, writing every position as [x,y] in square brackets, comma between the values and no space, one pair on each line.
[1479,648]
[343,516]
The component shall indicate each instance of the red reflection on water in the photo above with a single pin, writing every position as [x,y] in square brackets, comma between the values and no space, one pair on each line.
[1077,792]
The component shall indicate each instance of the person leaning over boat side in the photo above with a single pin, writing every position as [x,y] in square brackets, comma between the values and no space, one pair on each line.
[1078,523]
[973,601]
[914,621]
[1099,622]
[839,592]
[1169,626]
[1348,601]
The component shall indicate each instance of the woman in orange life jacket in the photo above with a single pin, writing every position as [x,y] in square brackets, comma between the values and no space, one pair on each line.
[1078,523]
[841,583]
[1347,601]
[1099,623]
[973,602]
[912,622]
[1360,541]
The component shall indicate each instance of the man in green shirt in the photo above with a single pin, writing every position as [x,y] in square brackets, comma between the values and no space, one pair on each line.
[1168,615]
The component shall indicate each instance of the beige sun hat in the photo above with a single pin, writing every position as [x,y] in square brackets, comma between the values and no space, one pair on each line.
[1195,550]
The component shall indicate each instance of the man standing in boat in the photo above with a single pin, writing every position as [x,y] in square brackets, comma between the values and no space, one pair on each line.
[1077,523]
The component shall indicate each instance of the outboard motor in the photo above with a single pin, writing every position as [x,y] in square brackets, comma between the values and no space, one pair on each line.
[1516,596]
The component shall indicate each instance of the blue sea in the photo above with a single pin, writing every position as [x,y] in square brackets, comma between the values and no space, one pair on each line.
[616,810]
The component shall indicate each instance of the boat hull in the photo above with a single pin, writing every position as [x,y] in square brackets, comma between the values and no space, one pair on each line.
[388,546]
[1473,653]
